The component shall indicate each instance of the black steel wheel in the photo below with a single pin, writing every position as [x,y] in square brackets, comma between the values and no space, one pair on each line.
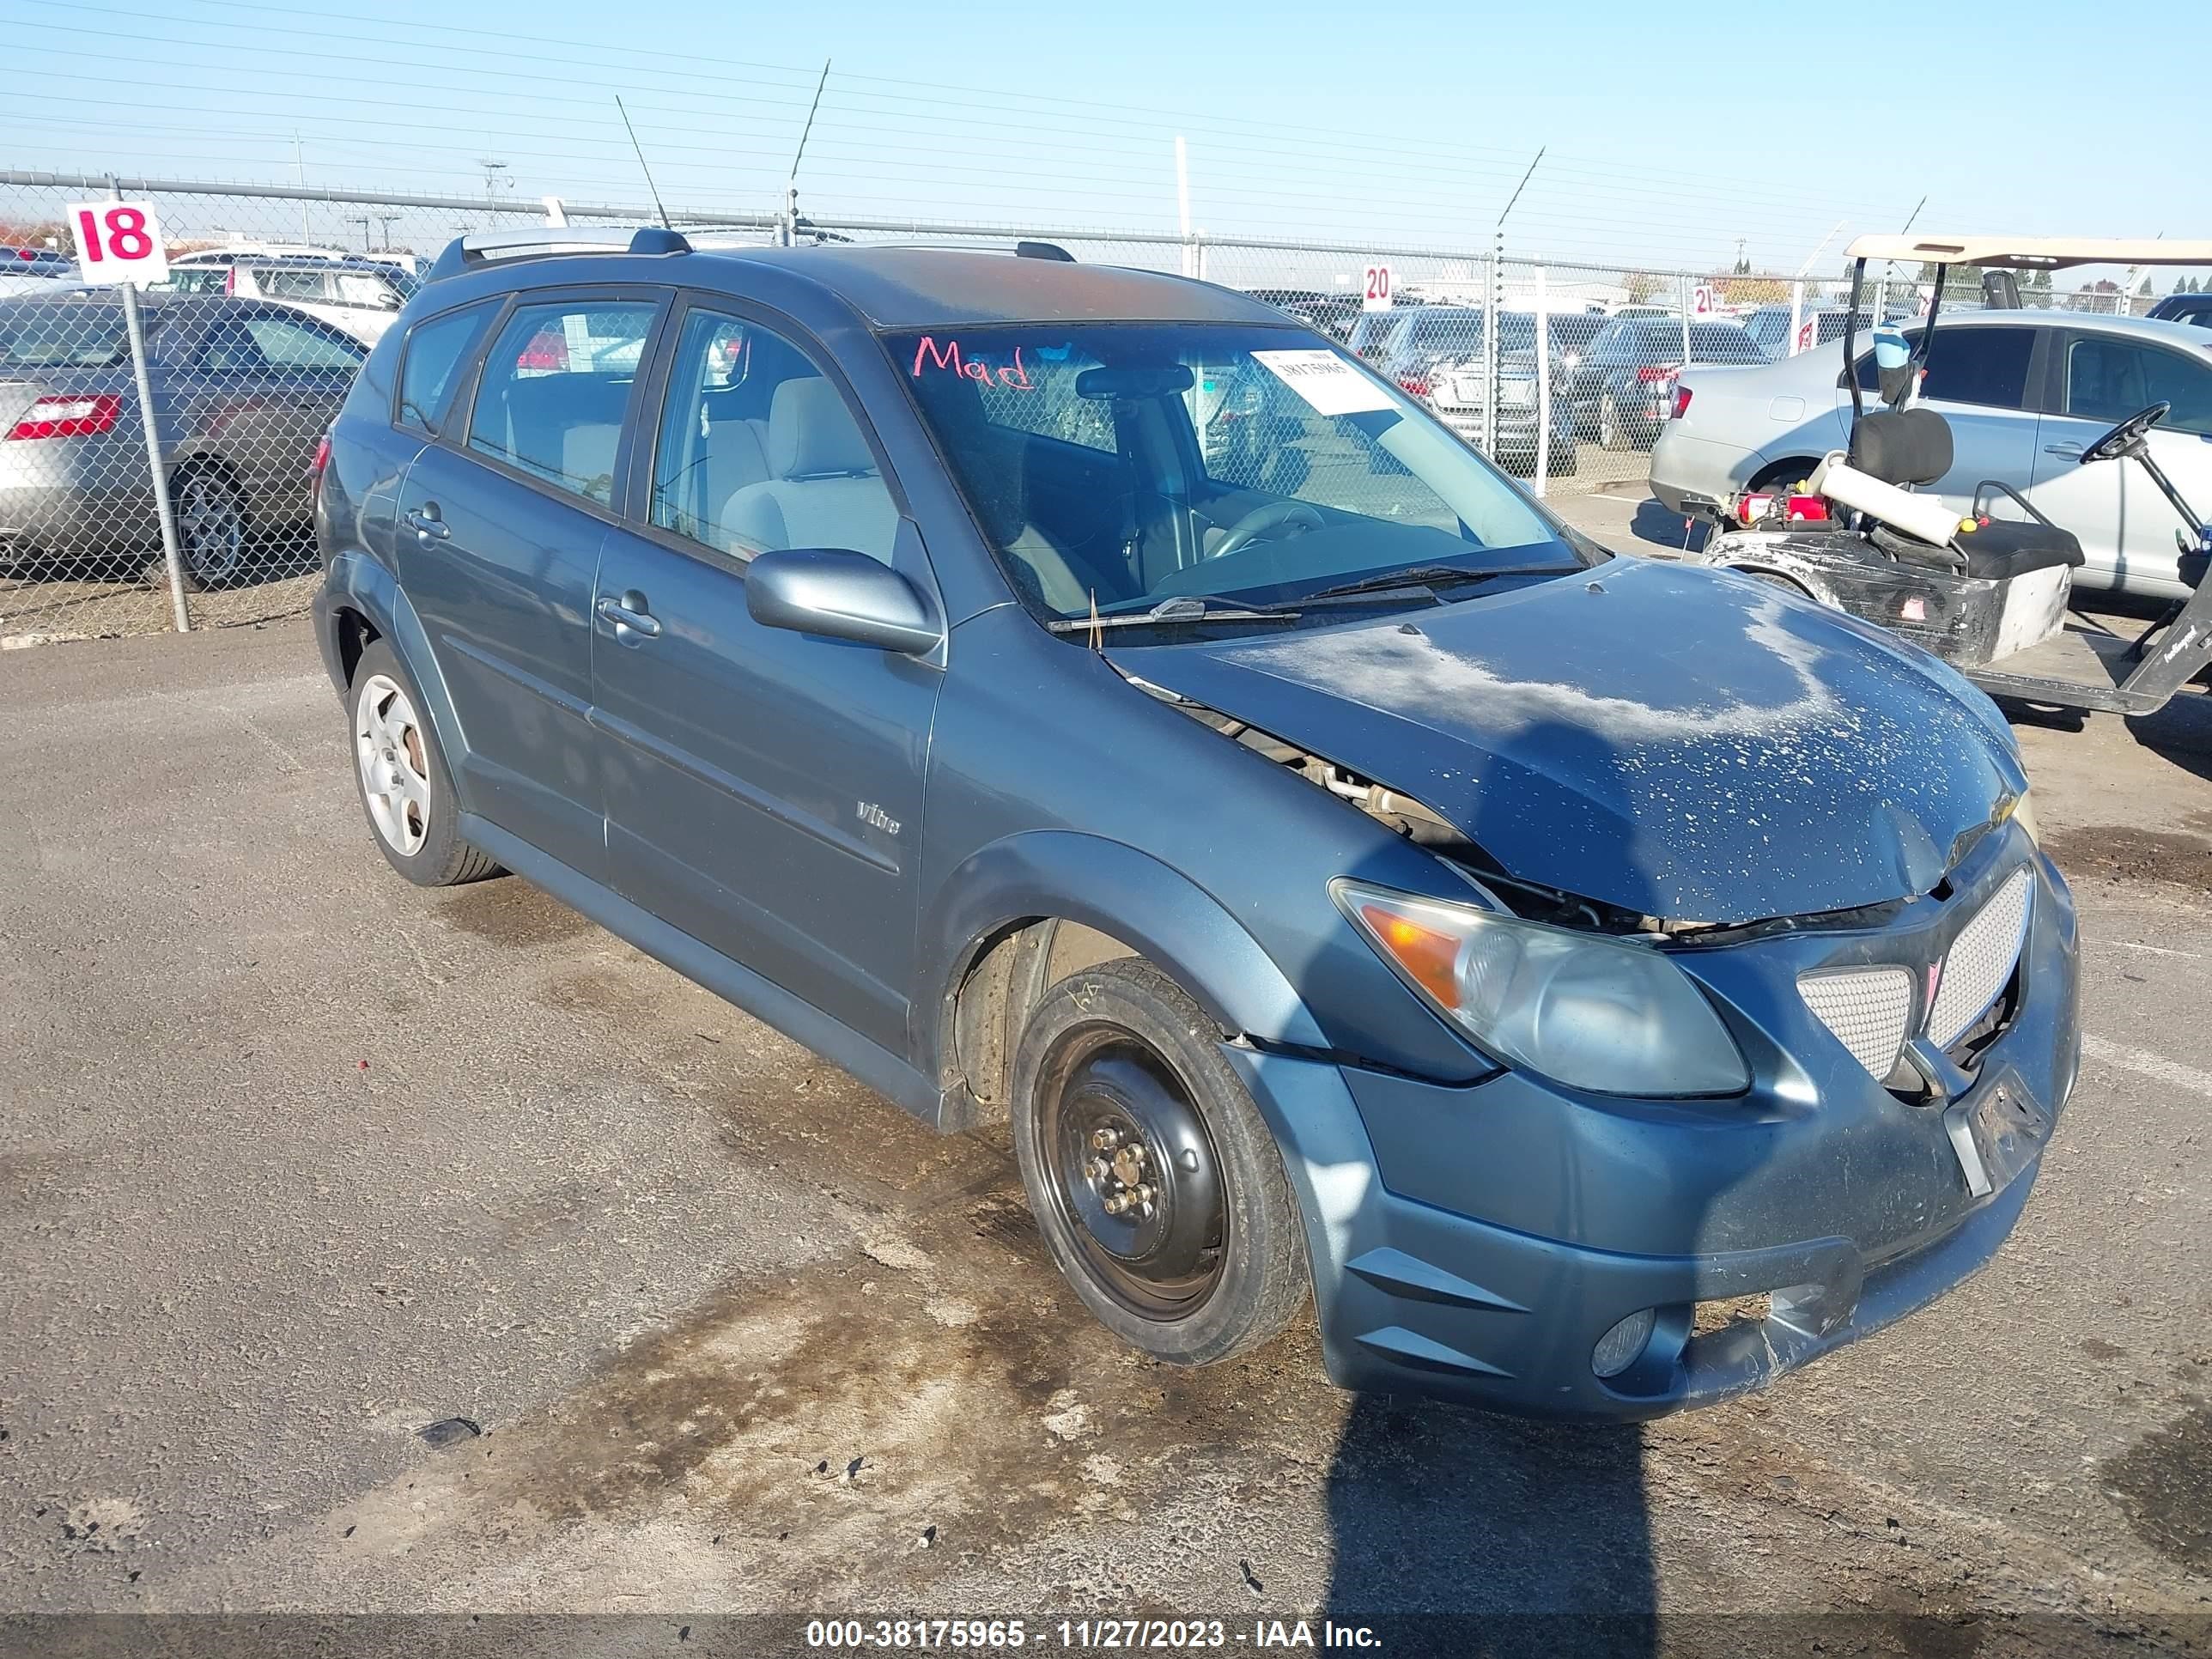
[1157,1185]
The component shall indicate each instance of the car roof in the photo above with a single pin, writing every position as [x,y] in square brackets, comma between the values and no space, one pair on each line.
[893,287]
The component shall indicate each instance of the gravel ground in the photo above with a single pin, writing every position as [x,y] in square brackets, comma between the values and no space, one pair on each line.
[299,1163]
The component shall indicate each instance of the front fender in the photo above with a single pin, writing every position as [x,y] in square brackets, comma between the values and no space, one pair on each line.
[1119,891]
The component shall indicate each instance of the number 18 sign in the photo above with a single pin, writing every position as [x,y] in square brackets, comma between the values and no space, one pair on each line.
[119,242]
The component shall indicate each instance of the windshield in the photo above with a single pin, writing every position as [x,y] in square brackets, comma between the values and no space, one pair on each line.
[1132,464]
[48,336]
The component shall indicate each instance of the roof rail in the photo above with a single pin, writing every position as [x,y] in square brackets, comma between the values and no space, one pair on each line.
[1043,251]
[481,247]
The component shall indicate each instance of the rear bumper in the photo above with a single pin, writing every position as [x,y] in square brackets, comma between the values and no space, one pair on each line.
[1687,469]
[42,518]
[1658,1208]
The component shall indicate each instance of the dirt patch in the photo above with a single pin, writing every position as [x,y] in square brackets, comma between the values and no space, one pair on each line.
[511,912]
[2119,853]
[2163,1485]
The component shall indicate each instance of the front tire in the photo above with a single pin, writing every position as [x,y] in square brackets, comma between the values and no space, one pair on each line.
[406,789]
[1159,1188]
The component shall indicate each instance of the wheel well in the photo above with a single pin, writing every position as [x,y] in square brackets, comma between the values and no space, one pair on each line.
[355,633]
[1790,471]
[216,465]
[1007,976]
[1767,572]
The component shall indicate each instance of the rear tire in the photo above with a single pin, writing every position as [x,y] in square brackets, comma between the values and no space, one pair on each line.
[212,528]
[399,770]
[1159,1188]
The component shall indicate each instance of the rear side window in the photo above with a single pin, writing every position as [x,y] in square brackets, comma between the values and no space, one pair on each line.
[435,351]
[263,344]
[555,389]
[2109,380]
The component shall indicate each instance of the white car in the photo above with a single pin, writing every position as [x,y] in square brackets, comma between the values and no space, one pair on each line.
[2023,391]
[360,296]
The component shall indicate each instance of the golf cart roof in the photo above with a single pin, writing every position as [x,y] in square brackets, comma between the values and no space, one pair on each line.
[2031,253]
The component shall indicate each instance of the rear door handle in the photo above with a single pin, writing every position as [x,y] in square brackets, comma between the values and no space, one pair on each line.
[628,612]
[426,523]
[2070,452]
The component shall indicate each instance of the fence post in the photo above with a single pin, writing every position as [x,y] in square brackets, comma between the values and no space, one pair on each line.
[1797,315]
[172,555]
[1682,290]
[1490,309]
[1543,384]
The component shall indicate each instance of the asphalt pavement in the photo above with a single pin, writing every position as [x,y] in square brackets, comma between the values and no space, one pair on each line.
[370,1249]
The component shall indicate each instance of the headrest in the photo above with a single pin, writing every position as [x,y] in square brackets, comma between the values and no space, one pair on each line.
[810,434]
[1902,447]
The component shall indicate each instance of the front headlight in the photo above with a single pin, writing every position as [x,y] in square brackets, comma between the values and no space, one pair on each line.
[2023,814]
[1589,1011]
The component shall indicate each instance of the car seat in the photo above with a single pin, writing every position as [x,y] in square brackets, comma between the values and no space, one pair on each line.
[823,489]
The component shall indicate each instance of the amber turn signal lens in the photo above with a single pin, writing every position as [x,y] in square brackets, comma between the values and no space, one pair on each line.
[1427,957]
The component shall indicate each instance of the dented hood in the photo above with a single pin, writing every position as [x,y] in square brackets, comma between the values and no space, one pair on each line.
[1675,741]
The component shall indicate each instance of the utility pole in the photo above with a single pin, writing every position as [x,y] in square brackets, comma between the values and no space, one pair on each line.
[493,176]
[299,171]
[362,220]
[1183,205]
[385,222]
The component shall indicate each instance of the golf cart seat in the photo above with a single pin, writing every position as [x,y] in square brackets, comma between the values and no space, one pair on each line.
[1913,447]
[2013,547]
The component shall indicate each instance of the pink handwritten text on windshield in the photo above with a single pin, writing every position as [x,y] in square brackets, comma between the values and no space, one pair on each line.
[947,357]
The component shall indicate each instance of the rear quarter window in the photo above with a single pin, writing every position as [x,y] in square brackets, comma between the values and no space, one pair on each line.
[432,356]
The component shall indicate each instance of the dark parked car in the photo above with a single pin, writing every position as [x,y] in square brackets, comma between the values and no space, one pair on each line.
[243,392]
[1620,393]
[2193,308]
[1341,882]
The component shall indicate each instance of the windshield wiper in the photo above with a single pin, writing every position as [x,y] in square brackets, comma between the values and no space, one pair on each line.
[1180,608]
[1430,576]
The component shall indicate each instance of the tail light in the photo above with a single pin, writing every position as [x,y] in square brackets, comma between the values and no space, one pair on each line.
[1681,403]
[230,280]
[1416,383]
[548,352]
[322,459]
[1652,373]
[70,417]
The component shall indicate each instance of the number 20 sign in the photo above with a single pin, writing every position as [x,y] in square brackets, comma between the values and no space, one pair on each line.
[119,242]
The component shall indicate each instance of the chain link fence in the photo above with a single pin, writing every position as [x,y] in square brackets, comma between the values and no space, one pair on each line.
[1562,374]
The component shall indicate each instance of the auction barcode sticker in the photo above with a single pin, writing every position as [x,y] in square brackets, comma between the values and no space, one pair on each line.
[1325,380]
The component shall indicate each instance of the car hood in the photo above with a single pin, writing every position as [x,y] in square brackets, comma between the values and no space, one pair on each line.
[1682,742]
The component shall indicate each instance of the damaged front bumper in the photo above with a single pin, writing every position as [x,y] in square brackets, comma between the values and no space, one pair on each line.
[1477,1243]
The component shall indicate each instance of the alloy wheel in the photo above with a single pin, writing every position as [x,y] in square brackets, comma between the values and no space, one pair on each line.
[395,778]
[211,527]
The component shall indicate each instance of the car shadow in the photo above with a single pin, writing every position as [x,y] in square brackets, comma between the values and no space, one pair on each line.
[1654,523]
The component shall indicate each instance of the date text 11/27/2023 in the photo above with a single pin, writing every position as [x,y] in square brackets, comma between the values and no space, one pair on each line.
[1084,1635]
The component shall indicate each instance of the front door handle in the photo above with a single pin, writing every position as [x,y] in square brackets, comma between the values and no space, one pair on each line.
[629,615]
[426,523]
[2067,451]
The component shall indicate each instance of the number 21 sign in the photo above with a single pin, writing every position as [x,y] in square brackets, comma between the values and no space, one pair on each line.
[119,242]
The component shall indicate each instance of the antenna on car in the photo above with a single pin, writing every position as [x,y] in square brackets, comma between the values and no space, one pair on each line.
[642,167]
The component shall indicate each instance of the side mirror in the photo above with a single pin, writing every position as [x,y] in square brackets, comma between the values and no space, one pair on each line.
[845,595]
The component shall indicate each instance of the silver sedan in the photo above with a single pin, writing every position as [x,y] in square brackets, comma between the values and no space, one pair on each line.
[243,391]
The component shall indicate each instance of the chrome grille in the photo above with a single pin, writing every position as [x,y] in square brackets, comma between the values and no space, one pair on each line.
[1867,1008]
[1980,961]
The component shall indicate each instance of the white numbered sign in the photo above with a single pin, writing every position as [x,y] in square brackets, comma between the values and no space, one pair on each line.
[1704,301]
[1377,294]
[119,242]
[1804,337]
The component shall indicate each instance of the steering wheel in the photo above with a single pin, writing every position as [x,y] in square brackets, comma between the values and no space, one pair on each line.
[1261,521]
[2125,436]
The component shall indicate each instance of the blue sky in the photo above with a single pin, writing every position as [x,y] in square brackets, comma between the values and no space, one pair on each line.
[1671,133]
